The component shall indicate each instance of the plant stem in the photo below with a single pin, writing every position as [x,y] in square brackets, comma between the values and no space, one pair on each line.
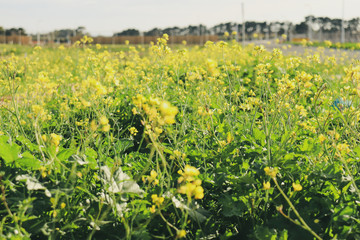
[304,225]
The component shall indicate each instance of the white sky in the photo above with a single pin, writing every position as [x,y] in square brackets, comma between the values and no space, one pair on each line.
[109,16]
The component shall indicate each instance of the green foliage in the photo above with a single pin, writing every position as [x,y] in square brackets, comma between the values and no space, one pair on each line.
[220,141]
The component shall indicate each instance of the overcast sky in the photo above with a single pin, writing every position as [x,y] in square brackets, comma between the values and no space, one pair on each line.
[109,16]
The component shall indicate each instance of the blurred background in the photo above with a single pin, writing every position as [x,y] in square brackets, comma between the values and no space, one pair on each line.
[142,21]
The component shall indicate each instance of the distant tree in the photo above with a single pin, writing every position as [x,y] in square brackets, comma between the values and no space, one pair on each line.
[15,31]
[128,32]
[354,24]
[192,30]
[11,31]
[301,28]
[2,30]
[263,27]
[154,32]
[221,28]
[21,31]
[336,24]
[80,31]
[171,31]
[250,27]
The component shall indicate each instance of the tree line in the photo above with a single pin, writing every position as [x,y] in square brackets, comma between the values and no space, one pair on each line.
[324,24]
[12,31]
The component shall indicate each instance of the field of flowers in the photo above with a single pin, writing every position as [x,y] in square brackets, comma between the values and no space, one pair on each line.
[196,142]
[329,44]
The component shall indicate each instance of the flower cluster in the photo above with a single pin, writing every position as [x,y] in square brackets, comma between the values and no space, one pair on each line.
[152,178]
[190,184]
[104,122]
[272,172]
[157,201]
[157,113]
[55,139]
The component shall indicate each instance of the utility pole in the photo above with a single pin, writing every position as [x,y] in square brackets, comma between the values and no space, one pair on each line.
[267,32]
[342,23]
[243,23]
[310,28]
[200,39]
[237,32]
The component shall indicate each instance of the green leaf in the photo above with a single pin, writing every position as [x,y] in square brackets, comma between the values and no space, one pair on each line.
[247,179]
[230,207]
[259,136]
[123,144]
[8,152]
[31,146]
[289,156]
[91,156]
[284,138]
[245,165]
[65,154]
[28,162]
[265,233]
[306,146]
[357,151]
[343,213]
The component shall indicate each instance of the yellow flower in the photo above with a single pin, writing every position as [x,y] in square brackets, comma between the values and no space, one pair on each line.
[199,192]
[197,182]
[191,171]
[297,187]
[167,110]
[266,185]
[133,131]
[62,205]
[105,128]
[134,111]
[153,174]
[322,138]
[93,125]
[152,178]
[55,139]
[308,84]
[156,182]
[103,120]
[44,138]
[343,148]
[271,171]
[158,130]
[181,233]
[188,174]
[154,101]
[157,200]
[153,209]
[169,119]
